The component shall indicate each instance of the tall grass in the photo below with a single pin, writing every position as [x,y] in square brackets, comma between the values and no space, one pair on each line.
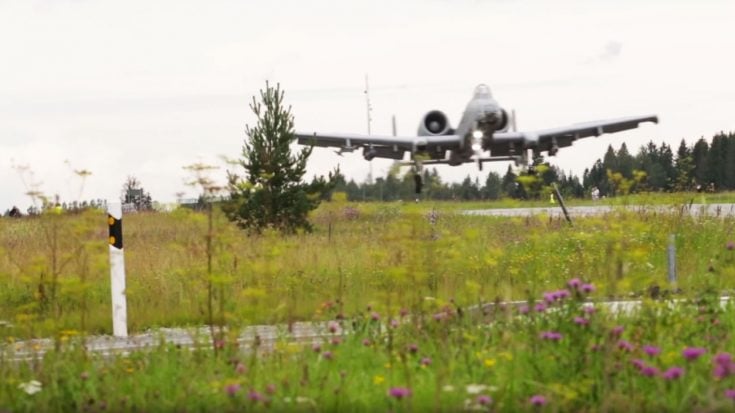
[54,274]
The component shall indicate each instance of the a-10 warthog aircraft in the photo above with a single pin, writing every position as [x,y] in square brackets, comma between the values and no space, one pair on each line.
[482,135]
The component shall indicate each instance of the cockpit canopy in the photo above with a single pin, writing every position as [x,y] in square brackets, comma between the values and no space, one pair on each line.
[483,90]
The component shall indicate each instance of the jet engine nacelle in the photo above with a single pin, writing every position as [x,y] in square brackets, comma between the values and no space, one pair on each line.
[435,123]
[495,121]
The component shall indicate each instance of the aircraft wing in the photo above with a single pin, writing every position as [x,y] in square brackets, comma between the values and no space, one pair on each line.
[554,138]
[392,147]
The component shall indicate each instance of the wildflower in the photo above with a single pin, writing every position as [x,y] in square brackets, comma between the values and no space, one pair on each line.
[31,387]
[562,294]
[551,335]
[652,351]
[581,321]
[693,353]
[439,316]
[587,288]
[394,323]
[448,388]
[254,396]
[484,400]
[489,362]
[574,283]
[475,388]
[730,394]
[316,347]
[538,400]
[539,307]
[412,348]
[399,392]
[84,376]
[333,327]
[374,316]
[625,345]
[730,245]
[649,371]
[638,363]
[240,368]
[327,355]
[724,365]
[617,331]
[426,361]
[549,297]
[673,373]
[588,309]
[232,389]
[336,341]
[270,389]
[377,380]
[722,358]
[523,309]
[404,312]
[366,342]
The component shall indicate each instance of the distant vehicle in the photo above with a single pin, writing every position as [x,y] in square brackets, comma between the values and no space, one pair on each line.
[482,135]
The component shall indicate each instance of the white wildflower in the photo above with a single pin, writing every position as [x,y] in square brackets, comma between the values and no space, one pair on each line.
[31,387]
[476,388]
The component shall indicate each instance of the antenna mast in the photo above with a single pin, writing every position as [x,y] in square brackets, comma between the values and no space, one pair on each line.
[369,108]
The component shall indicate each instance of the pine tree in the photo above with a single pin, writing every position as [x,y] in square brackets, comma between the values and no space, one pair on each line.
[272,193]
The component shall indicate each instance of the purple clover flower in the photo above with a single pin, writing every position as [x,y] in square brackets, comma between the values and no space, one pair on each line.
[426,361]
[730,394]
[649,371]
[523,309]
[254,396]
[581,321]
[625,345]
[588,309]
[638,364]
[412,348]
[730,245]
[651,351]
[574,283]
[366,342]
[551,335]
[232,389]
[375,316]
[538,400]
[587,288]
[399,392]
[540,307]
[327,355]
[484,400]
[722,358]
[693,353]
[673,373]
[617,331]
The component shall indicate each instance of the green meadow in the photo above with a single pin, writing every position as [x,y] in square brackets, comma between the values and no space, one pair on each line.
[401,285]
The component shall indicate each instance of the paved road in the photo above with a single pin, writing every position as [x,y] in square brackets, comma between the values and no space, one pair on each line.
[266,336]
[694,209]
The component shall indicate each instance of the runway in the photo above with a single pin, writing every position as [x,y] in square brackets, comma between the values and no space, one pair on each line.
[262,338]
[713,210]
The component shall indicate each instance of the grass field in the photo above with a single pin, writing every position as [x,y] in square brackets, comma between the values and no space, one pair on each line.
[369,264]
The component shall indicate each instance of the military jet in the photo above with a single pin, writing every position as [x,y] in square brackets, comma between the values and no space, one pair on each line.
[482,135]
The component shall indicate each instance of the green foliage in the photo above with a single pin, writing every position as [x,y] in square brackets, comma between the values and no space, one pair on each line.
[272,195]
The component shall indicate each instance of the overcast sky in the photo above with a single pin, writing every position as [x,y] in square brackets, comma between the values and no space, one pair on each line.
[144,88]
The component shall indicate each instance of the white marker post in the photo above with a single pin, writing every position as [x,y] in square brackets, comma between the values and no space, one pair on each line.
[117,271]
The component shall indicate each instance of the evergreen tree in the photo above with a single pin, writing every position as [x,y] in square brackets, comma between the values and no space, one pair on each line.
[699,161]
[684,168]
[272,193]
[493,186]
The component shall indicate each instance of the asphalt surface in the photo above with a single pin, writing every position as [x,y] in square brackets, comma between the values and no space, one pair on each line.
[715,210]
[254,338]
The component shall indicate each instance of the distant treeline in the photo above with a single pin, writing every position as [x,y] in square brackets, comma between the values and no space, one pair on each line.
[702,166]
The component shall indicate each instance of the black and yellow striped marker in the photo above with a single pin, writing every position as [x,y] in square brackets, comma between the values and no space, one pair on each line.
[116,237]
